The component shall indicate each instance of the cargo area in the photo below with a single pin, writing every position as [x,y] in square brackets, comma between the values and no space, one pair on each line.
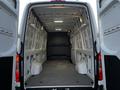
[59,73]
[58,47]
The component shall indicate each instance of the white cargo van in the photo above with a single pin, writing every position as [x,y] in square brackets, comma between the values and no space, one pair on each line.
[58,45]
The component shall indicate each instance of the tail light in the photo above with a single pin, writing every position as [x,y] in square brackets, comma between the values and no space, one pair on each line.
[100,72]
[17,68]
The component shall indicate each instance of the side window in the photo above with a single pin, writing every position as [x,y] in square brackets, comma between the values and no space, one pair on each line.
[104,2]
[100,3]
[13,3]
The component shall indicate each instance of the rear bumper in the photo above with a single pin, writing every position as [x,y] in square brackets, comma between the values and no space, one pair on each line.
[17,88]
[75,88]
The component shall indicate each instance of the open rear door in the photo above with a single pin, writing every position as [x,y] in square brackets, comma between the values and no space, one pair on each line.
[8,39]
[109,26]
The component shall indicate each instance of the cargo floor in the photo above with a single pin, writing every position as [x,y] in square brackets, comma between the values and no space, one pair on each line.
[58,73]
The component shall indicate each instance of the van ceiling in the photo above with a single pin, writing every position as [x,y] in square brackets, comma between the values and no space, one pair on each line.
[68,14]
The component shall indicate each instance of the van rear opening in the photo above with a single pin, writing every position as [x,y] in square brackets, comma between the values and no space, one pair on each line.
[58,47]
